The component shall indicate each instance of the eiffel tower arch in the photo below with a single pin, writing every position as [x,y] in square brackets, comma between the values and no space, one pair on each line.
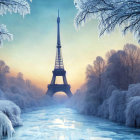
[59,70]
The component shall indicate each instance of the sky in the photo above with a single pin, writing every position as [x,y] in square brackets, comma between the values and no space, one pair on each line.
[33,49]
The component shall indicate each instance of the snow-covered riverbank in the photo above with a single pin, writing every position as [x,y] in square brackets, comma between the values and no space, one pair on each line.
[120,106]
[10,115]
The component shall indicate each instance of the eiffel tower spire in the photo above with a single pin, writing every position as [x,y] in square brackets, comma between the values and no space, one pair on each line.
[58,31]
[59,59]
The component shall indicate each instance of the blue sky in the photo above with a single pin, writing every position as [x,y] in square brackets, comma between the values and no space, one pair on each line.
[33,49]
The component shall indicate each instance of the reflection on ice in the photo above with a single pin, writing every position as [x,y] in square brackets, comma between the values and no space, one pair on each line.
[60,123]
[99,138]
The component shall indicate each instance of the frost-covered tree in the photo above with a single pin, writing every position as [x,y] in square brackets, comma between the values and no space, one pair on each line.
[94,73]
[132,62]
[4,69]
[20,90]
[125,13]
[94,82]
[118,96]
[124,66]
[116,70]
[99,67]
[13,6]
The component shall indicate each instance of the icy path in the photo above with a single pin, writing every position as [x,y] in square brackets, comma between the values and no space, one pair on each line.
[60,123]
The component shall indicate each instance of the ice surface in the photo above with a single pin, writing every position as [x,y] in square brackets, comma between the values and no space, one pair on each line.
[61,123]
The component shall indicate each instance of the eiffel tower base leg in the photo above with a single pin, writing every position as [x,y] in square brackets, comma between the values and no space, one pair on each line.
[53,88]
[68,92]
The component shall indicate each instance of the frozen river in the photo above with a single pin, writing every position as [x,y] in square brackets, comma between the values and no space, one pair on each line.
[61,123]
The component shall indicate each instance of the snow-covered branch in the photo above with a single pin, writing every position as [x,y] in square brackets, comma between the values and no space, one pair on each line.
[13,6]
[4,34]
[110,14]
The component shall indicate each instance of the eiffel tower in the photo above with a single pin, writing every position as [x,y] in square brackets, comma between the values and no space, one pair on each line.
[59,69]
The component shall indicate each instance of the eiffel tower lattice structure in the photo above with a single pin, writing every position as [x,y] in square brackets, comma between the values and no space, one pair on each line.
[59,70]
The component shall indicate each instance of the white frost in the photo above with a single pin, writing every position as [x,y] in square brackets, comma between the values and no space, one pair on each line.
[12,111]
[117,106]
[111,13]
[13,6]
[4,34]
[9,117]
[6,127]
[103,110]
[133,112]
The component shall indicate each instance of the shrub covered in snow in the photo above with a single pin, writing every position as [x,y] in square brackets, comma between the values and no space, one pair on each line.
[9,117]
[6,128]
[133,90]
[103,110]
[133,104]
[12,111]
[117,104]
[77,101]
[123,106]
[133,112]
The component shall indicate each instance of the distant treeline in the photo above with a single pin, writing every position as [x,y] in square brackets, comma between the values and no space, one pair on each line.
[20,91]
[112,88]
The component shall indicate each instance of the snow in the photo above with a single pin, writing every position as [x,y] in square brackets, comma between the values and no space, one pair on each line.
[77,101]
[133,105]
[117,106]
[133,90]
[6,127]
[4,34]
[133,112]
[15,6]
[103,110]
[12,111]
[9,117]
[110,89]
